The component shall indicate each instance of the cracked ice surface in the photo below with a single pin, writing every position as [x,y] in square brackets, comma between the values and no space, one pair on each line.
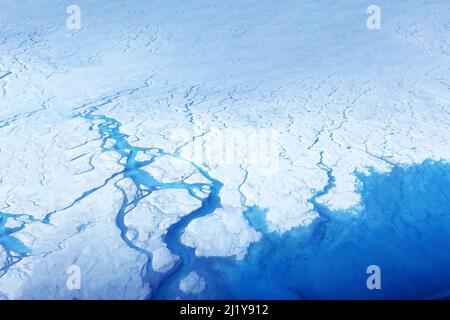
[91,162]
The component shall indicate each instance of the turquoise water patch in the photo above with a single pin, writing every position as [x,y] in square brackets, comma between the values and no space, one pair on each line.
[404,228]
[14,249]
[256,216]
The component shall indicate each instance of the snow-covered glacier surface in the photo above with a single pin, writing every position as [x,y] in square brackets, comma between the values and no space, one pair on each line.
[224,149]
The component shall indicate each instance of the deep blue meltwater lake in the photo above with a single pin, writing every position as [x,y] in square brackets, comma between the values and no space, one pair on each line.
[403,226]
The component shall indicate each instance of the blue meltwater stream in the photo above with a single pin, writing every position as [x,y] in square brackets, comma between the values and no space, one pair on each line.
[163,285]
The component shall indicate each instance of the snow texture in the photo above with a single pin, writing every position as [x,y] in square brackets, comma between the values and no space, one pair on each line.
[110,135]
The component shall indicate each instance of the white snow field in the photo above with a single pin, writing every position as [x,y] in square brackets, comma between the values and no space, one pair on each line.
[112,134]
